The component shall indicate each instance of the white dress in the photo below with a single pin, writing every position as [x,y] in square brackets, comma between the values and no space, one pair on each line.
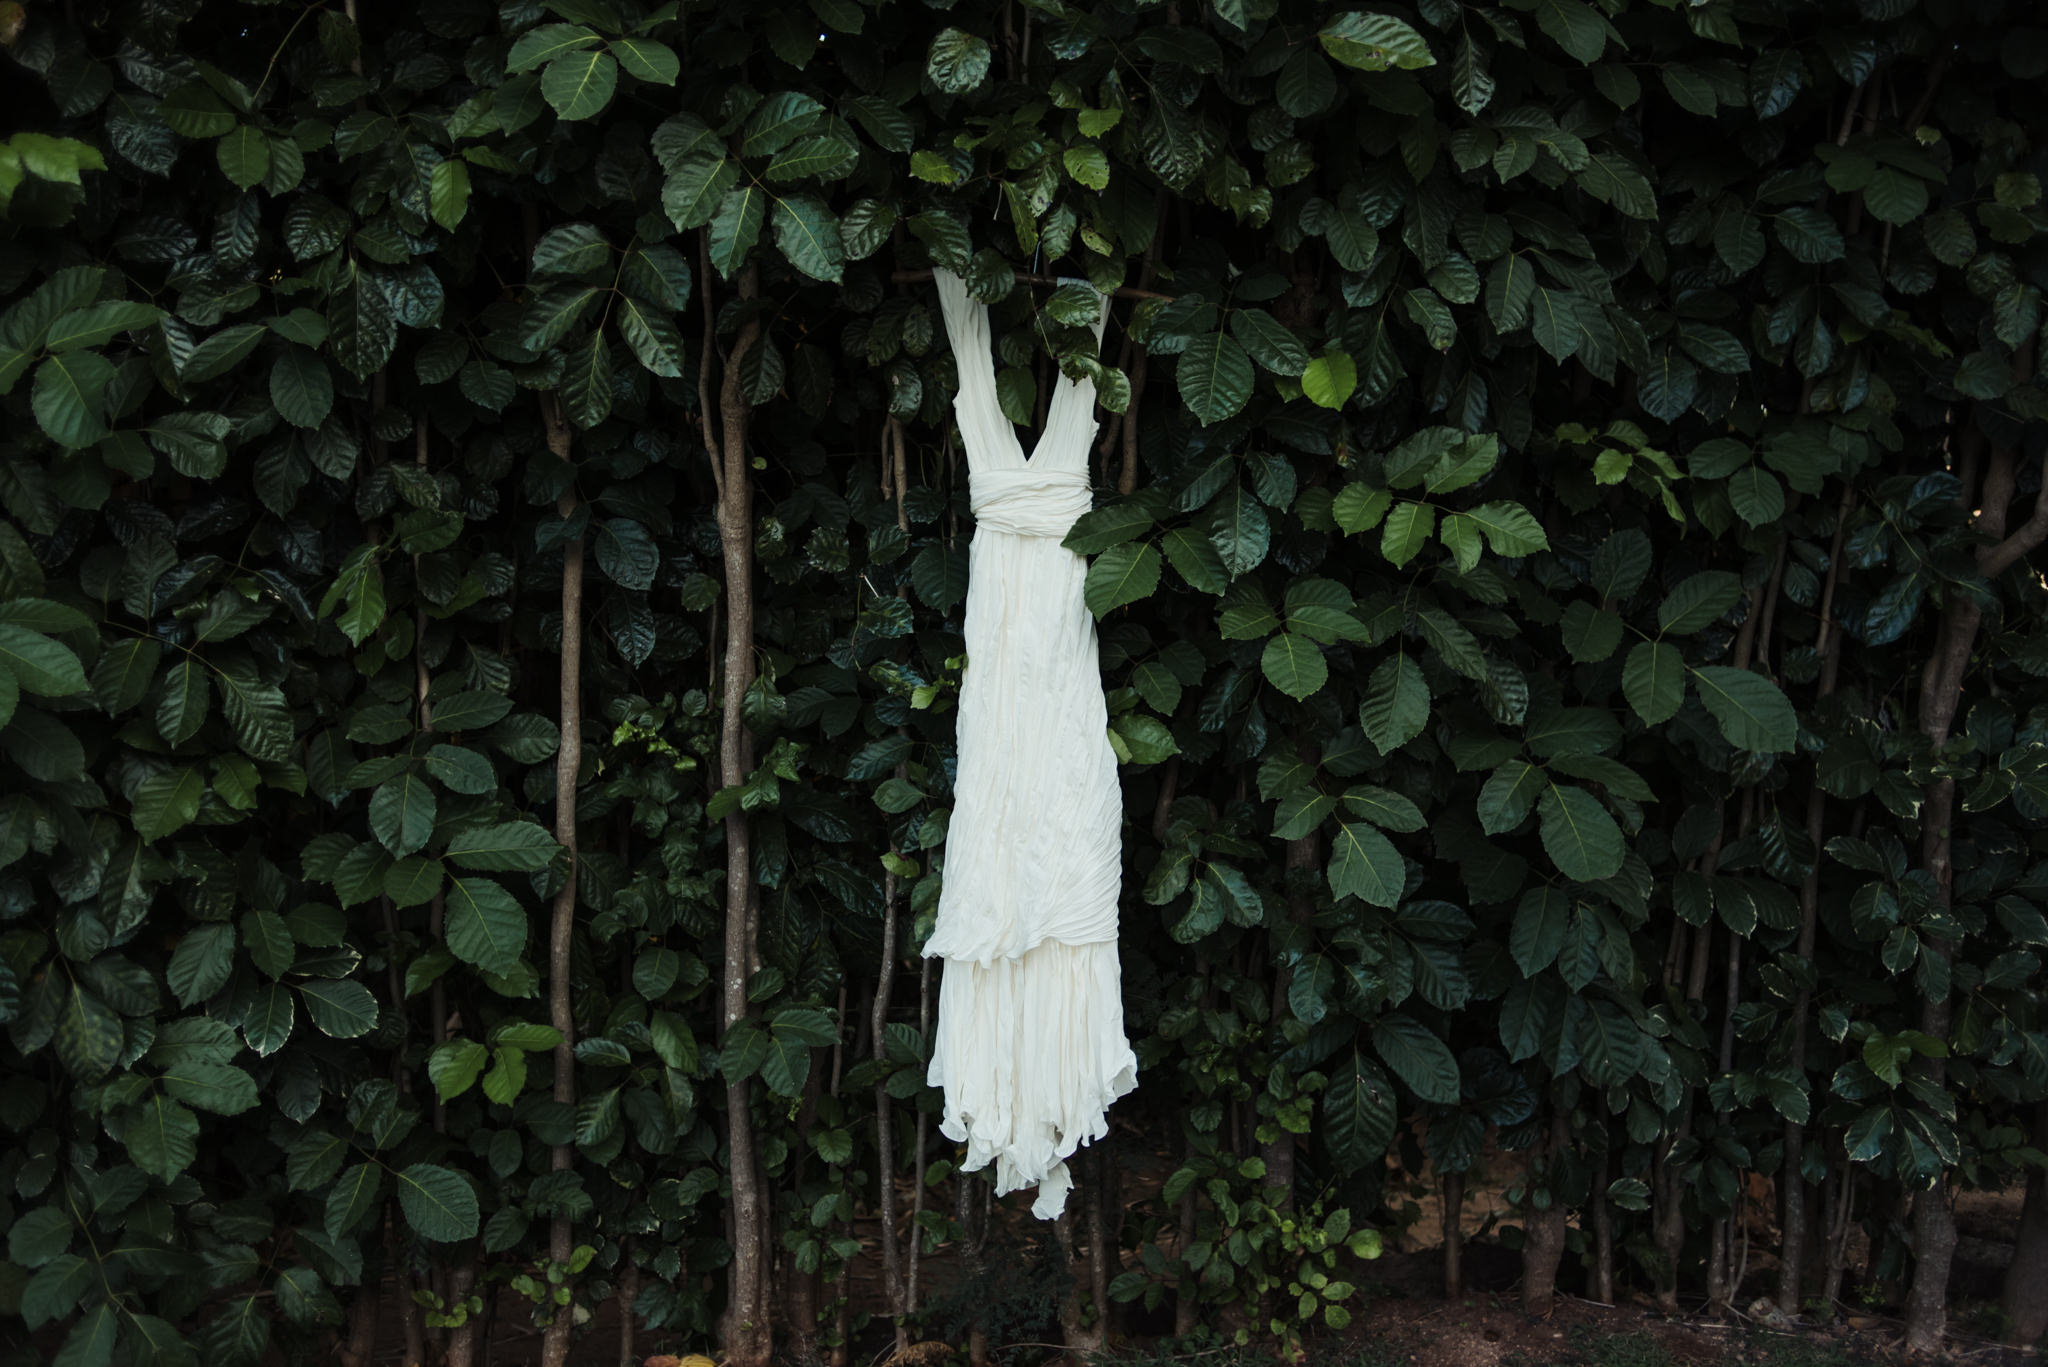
[1030,1047]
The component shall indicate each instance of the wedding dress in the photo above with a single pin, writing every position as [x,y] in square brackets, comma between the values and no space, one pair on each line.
[1030,1048]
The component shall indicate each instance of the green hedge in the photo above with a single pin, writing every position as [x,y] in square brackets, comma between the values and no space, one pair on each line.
[1567,480]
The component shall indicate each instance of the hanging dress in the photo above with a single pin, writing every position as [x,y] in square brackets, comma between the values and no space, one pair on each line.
[1030,1048]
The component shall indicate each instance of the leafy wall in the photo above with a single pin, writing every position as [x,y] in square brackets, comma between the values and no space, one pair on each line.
[1567,479]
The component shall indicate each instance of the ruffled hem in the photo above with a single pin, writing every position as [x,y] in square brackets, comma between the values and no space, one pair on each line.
[1031,1053]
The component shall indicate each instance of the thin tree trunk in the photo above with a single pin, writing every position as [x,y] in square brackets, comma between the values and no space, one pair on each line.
[1941,691]
[1791,1176]
[2025,1298]
[885,1122]
[628,1292]
[1082,1340]
[1454,1234]
[562,924]
[1603,1239]
[749,1330]
[410,1324]
[359,1347]
[1543,1230]
[464,1338]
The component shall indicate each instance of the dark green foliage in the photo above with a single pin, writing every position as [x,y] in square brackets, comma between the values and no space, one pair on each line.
[1533,386]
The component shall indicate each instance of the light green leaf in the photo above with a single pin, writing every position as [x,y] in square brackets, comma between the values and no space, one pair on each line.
[1330,380]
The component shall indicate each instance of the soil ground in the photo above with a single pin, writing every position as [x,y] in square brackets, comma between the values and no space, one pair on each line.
[1402,1318]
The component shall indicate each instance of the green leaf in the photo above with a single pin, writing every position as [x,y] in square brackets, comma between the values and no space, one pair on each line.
[1120,575]
[1510,529]
[98,324]
[460,770]
[1698,602]
[736,227]
[438,1204]
[1359,507]
[166,802]
[1653,681]
[1270,343]
[627,554]
[1574,26]
[218,1087]
[448,192]
[402,814]
[538,46]
[1418,1057]
[1396,704]
[1509,795]
[653,336]
[1330,380]
[1363,864]
[1111,525]
[580,84]
[1590,634]
[201,963]
[1384,808]
[244,156]
[352,1198]
[258,713]
[1301,811]
[41,665]
[508,847]
[412,881]
[340,1008]
[647,60]
[1215,378]
[301,387]
[1375,42]
[1895,196]
[695,189]
[1756,495]
[70,397]
[808,236]
[1407,531]
[1541,920]
[162,1138]
[88,1034]
[958,61]
[1753,712]
[1294,664]
[485,926]
[267,1020]
[454,1066]
[1578,834]
[1239,529]
[587,385]
[1359,1116]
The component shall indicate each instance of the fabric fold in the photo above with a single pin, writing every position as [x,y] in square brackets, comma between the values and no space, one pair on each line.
[1030,1047]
